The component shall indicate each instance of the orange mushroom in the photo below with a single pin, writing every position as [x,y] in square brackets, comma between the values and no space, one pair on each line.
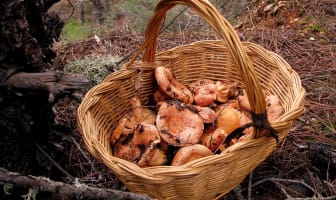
[153,156]
[139,114]
[213,138]
[204,92]
[159,95]
[178,124]
[189,153]
[228,119]
[207,114]
[226,91]
[140,146]
[173,88]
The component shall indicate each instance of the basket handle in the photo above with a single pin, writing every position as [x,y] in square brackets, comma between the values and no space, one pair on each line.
[224,29]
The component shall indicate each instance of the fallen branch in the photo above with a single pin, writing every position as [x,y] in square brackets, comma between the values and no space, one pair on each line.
[61,189]
[54,82]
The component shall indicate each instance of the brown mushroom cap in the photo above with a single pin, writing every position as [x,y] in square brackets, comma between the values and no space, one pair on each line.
[165,80]
[190,153]
[178,124]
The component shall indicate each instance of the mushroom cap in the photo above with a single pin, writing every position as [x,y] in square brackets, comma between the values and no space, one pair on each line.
[207,114]
[204,92]
[195,85]
[206,95]
[153,156]
[213,138]
[190,153]
[131,147]
[137,115]
[228,119]
[178,124]
[160,95]
[173,88]
[227,91]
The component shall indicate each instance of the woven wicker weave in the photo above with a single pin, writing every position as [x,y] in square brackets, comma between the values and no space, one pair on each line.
[227,60]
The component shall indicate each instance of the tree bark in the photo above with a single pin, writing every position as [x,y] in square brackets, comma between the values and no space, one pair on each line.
[54,82]
[99,10]
[61,189]
[27,33]
[82,11]
[108,5]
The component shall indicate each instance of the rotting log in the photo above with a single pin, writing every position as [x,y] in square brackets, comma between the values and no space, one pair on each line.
[61,189]
[55,82]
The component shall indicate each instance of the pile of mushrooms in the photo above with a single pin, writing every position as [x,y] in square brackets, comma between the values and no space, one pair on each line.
[189,122]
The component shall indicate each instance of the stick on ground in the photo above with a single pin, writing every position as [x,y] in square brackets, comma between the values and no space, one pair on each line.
[61,189]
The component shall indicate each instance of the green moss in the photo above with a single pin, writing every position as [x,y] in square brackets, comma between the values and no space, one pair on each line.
[74,30]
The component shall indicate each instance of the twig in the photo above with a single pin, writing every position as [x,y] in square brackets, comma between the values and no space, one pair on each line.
[54,163]
[172,21]
[61,190]
[83,153]
[314,198]
[237,191]
[277,180]
[249,191]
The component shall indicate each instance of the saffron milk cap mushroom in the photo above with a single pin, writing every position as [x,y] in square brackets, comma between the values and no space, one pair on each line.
[190,153]
[142,139]
[179,125]
[173,88]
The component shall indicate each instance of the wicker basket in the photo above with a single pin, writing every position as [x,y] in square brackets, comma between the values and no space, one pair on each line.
[227,60]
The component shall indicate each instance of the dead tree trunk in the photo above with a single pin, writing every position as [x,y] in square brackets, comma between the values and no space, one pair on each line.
[82,11]
[98,5]
[26,36]
[27,79]
[108,5]
[61,190]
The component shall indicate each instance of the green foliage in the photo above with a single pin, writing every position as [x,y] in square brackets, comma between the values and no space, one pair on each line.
[74,30]
[139,13]
[231,9]
[314,27]
[95,67]
[330,127]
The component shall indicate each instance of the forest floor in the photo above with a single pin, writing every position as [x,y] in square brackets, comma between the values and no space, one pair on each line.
[302,32]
